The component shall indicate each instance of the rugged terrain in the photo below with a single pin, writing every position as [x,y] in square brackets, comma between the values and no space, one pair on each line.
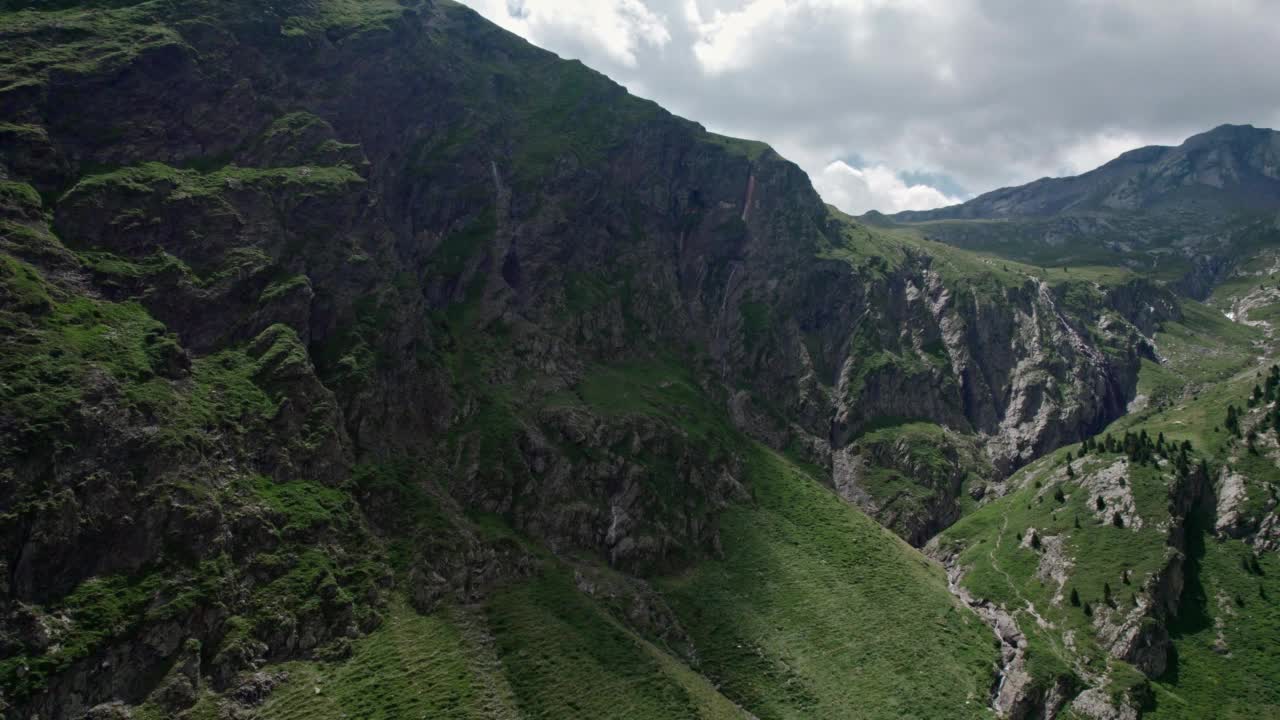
[1186,215]
[1134,574]
[362,360]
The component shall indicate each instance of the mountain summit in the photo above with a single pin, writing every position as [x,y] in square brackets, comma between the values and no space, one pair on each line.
[1232,167]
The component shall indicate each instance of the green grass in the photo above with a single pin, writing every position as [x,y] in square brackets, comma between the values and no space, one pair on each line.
[565,657]
[46,363]
[659,389]
[876,249]
[59,346]
[537,649]
[180,184]
[817,612]
[814,612]
[1210,363]
[769,621]
[300,505]
[1098,254]
[23,288]
[283,287]
[585,292]
[230,390]
[1001,568]
[750,149]
[415,666]
[20,196]
[1203,683]
[923,460]
[103,609]
[24,133]
[74,39]
[343,18]
[570,113]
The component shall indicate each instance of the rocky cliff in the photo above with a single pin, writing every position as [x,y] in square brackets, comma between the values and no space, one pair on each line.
[317,289]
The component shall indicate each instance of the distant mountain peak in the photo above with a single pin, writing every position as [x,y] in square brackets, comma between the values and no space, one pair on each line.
[1231,167]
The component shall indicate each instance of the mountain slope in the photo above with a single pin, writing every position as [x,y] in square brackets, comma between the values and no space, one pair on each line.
[1189,215]
[1151,548]
[1229,167]
[348,340]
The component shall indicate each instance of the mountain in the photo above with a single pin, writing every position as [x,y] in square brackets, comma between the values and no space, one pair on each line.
[1229,167]
[1187,215]
[363,360]
[1054,561]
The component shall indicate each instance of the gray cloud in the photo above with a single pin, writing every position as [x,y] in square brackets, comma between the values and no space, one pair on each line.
[896,103]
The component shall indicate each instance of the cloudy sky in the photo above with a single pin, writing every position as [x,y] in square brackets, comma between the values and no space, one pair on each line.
[912,104]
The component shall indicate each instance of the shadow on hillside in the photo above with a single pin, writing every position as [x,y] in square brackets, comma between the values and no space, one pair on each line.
[1193,605]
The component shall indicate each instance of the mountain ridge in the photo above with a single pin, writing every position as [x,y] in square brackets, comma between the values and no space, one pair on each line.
[1141,179]
[514,387]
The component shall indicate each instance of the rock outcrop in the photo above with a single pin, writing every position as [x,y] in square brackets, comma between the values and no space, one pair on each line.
[267,343]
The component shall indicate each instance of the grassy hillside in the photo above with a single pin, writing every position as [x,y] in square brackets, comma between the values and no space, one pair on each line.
[814,611]
[817,612]
[1082,541]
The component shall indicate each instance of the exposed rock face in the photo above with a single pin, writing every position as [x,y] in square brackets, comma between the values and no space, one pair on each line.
[1014,694]
[910,481]
[1096,704]
[1232,493]
[643,491]
[1013,366]
[1133,628]
[278,347]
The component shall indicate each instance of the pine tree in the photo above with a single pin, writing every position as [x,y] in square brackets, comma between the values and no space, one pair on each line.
[1101,504]
[1233,421]
[1058,495]
[1117,520]
[1088,609]
[1075,598]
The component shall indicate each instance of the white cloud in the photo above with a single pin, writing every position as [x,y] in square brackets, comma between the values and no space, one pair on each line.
[978,94]
[617,28]
[753,30]
[857,190]
[1091,152]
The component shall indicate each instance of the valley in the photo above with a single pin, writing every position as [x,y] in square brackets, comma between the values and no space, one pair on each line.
[362,360]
